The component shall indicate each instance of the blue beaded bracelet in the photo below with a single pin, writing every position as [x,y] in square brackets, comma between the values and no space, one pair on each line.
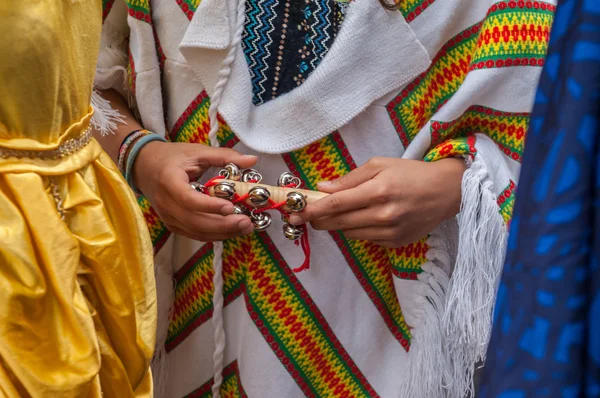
[133,153]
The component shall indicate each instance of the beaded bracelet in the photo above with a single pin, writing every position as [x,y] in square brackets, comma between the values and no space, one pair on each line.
[133,153]
[131,137]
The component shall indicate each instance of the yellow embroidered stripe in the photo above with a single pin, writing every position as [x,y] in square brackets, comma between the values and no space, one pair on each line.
[507,129]
[295,328]
[511,35]
[188,7]
[323,160]
[413,8]
[194,125]
[455,147]
[407,260]
[193,295]
[327,159]
[231,387]
[280,308]
[158,232]
[514,35]
[139,9]
[506,201]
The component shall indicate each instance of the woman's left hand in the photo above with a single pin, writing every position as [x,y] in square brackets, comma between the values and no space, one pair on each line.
[388,201]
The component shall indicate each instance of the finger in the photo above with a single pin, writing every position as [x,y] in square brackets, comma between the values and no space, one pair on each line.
[390,244]
[206,237]
[182,232]
[336,203]
[219,157]
[178,187]
[372,233]
[366,217]
[353,179]
[203,223]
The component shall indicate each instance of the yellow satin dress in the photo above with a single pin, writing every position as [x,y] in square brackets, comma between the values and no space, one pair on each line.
[77,293]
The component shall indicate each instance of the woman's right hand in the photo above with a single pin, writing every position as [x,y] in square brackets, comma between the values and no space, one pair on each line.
[163,172]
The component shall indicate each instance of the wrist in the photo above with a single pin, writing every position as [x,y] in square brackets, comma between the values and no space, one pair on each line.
[126,145]
[450,172]
[146,157]
[131,154]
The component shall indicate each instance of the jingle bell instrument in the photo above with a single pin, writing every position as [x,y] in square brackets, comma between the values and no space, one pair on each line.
[259,196]
[295,201]
[292,232]
[276,194]
[231,172]
[251,175]
[237,209]
[224,189]
[261,221]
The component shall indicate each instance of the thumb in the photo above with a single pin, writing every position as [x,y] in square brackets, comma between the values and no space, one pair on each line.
[219,157]
[351,180]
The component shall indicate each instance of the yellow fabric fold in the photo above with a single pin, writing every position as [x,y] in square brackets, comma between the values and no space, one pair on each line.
[77,296]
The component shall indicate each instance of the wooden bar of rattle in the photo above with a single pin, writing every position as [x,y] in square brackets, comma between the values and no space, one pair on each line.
[277,194]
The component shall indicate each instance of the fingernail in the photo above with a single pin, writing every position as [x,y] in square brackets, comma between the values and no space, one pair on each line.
[251,156]
[324,184]
[245,224]
[248,230]
[227,209]
[295,220]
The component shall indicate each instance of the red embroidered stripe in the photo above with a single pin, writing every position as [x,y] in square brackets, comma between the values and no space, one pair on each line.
[512,34]
[193,295]
[158,231]
[411,9]
[507,129]
[506,201]
[295,328]
[139,9]
[194,125]
[106,7]
[188,7]
[328,159]
[231,387]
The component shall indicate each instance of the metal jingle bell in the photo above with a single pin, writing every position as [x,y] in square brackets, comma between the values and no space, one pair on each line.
[295,202]
[224,190]
[231,171]
[261,221]
[241,210]
[292,232]
[196,186]
[288,179]
[285,217]
[259,196]
[251,175]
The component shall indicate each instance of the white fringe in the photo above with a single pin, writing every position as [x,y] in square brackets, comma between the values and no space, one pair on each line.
[111,73]
[105,118]
[429,369]
[457,311]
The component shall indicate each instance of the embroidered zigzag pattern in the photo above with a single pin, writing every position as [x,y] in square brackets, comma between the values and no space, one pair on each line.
[257,37]
[320,37]
[284,42]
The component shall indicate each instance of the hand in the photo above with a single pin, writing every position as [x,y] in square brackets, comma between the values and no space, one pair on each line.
[163,171]
[388,201]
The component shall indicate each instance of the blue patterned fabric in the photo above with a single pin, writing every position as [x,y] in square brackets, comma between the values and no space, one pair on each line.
[546,338]
[284,41]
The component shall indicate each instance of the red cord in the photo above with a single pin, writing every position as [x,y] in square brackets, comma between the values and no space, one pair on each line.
[303,242]
[305,248]
[213,181]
